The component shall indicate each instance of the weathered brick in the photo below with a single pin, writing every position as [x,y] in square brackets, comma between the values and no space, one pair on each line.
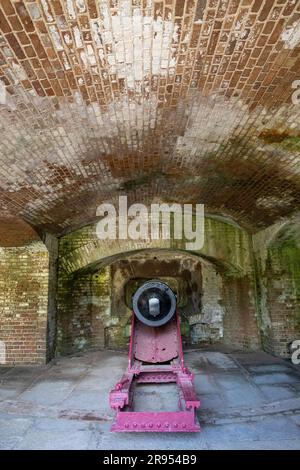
[184,101]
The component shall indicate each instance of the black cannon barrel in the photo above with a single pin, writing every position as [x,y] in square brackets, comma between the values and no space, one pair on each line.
[154,303]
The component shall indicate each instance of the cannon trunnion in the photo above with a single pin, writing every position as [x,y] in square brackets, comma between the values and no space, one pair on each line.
[155,356]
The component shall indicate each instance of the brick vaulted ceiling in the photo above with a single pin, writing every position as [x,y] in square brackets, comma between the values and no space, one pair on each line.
[172,100]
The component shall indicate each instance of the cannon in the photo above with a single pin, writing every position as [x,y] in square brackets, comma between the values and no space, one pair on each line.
[155,356]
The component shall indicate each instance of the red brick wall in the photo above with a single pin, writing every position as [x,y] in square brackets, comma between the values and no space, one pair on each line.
[24,303]
[240,321]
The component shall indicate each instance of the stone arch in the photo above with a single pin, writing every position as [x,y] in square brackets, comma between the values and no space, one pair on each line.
[106,284]
[224,243]
[220,265]
[227,248]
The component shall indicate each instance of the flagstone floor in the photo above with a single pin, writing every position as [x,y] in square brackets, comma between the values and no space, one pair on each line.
[248,401]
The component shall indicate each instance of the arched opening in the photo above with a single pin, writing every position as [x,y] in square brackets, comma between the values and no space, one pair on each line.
[95,301]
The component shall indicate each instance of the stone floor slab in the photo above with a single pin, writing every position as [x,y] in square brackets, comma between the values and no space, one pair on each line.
[276,378]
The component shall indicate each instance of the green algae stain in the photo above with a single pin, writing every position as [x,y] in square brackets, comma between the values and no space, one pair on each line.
[282,140]
[285,258]
[291,143]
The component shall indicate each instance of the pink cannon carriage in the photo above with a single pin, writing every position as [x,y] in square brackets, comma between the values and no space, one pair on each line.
[155,356]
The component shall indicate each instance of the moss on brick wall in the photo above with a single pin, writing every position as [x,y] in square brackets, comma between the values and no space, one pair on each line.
[83,311]
[278,274]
